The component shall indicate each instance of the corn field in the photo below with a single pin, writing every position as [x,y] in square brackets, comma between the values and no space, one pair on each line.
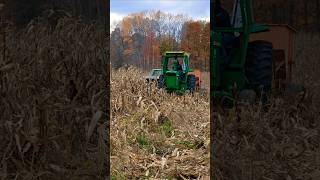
[54,101]
[248,143]
[54,104]
[154,134]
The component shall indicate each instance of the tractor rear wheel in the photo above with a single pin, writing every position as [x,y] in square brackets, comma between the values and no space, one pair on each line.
[191,82]
[259,68]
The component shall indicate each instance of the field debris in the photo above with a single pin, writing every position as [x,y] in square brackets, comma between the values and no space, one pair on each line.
[53,101]
[155,134]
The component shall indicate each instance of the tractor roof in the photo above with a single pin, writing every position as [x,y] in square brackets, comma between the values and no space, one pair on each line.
[176,53]
[157,69]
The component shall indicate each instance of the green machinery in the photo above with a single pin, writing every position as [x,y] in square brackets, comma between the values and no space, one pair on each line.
[248,67]
[175,75]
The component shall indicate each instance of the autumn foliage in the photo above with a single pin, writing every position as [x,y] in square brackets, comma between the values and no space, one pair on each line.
[140,39]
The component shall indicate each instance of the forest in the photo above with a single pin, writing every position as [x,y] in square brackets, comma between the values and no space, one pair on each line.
[141,38]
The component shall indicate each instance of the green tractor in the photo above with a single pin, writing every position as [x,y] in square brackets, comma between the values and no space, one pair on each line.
[240,69]
[175,75]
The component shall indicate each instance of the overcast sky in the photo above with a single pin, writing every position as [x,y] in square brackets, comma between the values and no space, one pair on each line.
[196,9]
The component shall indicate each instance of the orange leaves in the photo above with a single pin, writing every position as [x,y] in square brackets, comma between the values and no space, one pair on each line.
[126,26]
[146,35]
[196,40]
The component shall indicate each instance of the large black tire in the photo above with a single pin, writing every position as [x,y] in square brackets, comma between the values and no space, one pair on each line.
[259,68]
[191,82]
[160,83]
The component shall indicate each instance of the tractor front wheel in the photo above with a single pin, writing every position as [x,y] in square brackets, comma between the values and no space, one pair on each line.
[160,84]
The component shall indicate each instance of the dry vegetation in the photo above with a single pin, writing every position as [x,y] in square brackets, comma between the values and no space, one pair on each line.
[53,102]
[249,143]
[155,134]
[283,143]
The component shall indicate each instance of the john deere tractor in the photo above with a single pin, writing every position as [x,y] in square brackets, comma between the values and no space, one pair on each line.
[239,68]
[175,75]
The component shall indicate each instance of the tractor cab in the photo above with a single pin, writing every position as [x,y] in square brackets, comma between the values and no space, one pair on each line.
[175,61]
[175,69]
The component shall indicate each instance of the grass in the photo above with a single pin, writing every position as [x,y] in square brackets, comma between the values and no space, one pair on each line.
[143,142]
[186,144]
[166,128]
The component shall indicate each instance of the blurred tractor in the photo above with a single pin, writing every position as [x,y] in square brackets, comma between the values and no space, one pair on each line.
[248,60]
[153,75]
[176,74]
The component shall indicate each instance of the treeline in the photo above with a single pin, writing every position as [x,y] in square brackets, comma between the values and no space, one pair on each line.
[140,39]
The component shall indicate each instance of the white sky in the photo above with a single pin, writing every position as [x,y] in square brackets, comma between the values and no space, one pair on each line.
[196,9]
